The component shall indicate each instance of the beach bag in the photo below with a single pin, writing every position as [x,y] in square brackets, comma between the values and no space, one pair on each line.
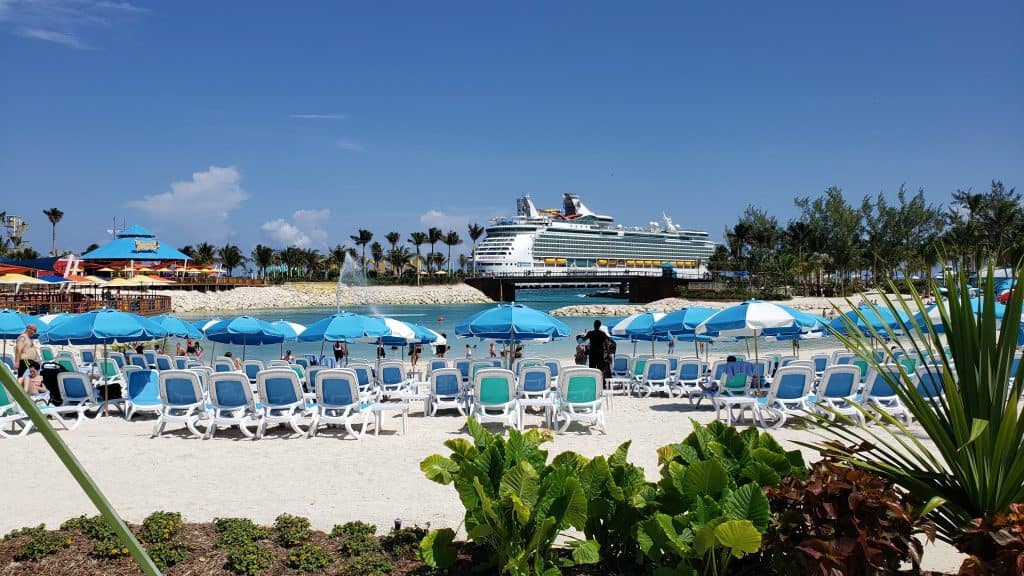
[49,371]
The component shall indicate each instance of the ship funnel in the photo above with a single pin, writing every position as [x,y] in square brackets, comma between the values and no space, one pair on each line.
[525,207]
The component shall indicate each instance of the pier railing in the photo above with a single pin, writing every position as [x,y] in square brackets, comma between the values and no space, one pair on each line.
[52,302]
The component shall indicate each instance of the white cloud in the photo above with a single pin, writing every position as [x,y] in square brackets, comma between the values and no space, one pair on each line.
[446,221]
[62,38]
[350,146]
[304,230]
[200,206]
[318,116]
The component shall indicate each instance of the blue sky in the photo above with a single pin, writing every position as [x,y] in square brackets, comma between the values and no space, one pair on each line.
[303,121]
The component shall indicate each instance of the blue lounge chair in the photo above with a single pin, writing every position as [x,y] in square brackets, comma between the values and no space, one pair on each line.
[494,396]
[446,390]
[182,401]
[788,395]
[280,392]
[337,401]
[232,403]
[143,393]
[837,392]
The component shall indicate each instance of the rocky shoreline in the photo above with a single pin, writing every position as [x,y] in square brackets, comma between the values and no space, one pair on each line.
[312,294]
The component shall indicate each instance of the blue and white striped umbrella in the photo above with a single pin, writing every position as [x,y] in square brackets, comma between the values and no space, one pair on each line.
[683,322]
[419,335]
[638,326]
[754,318]
[177,327]
[291,330]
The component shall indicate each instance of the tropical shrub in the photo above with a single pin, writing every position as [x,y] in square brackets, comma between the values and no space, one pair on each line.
[367,565]
[41,544]
[974,425]
[840,520]
[109,548]
[1000,540]
[249,558]
[516,504]
[94,527]
[290,531]
[235,531]
[27,531]
[308,558]
[402,540]
[355,529]
[167,554]
[160,527]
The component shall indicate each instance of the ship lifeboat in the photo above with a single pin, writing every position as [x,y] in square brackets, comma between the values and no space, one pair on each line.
[549,261]
[561,261]
[602,262]
[630,263]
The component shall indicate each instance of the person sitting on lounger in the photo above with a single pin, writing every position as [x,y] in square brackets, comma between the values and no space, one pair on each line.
[32,382]
[734,367]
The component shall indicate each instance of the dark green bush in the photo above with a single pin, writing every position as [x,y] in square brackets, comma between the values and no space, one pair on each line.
[235,531]
[249,558]
[290,531]
[160,527]
[359,544]
[29,531]
[41,545]
[367,565]
[94,527]
[350,529]
[402,541]
[166,554]
[308,558]
[109,548]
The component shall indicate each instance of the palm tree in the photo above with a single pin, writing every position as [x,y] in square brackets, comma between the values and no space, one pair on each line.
[451,239]
[417,239]
[263,257]
[377,253]
[399,258]
[436,259]
[204,254]
[475,232]
[313,261]
[337,257]
[292,257]
[362,239]
[55,215]
[393,238]
[434,235]
[231,257]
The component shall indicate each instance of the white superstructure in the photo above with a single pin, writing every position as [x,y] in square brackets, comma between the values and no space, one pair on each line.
[577,239]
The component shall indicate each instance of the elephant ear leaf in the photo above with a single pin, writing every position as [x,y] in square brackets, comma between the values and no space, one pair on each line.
[439,469]
[586,552]
[521,481]
[436,549]
[748,502]
[739,536]
[706,478]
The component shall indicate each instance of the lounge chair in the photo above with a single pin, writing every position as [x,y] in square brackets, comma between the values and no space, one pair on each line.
[223,364]
[143,393]
[283,403]
[310,383]
[535,382]
[182,401]
[656,377]
[391,379]
[688,380]
[555,368]
[251,369]
[88,357]
[620,366]
[436,364]
[164,362]
[463,366]
[150,356]
[734,392]
[232,403]
[931,385]
[278,364]
[76,390]
[337,401]
[820,363]
[477,366]
[494,396]
[47,354]
[8,359]
[364,373]
[138,360]
[841,357]
[21,424]
[446,391]
[118,358]
[837,392]
[788,395]
[879,395]
[302,362]
[180,363]
[579,398]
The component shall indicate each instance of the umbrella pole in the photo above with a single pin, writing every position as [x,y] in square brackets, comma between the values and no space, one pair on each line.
[243,351]
[106,390]
[212,355]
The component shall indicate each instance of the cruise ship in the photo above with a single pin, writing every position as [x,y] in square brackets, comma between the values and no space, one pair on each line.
[578,239]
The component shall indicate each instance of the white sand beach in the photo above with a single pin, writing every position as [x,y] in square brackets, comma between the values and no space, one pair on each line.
[329,479]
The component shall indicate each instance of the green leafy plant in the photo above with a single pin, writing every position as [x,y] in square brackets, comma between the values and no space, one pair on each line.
[308,558]
[290,531]
[41,544]
[403,540]
[109,548]
[27,531]
[160,527]
[94,527]
[356,538]
[236,531]
[367,565]
[974,425]
[516,504]
[841,520]
[355,529]
[1001,539]
[710,503]
[249,558]
[167,554]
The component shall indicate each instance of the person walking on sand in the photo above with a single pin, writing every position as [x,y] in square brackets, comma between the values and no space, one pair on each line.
[26,353]
[598,339]
[492,351]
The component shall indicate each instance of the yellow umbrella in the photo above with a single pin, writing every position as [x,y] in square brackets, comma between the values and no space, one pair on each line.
[106,269]
[126,282]
[95,279]
[20,279]
[144,269]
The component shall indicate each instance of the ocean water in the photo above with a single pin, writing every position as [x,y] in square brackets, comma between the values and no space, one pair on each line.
[444,318]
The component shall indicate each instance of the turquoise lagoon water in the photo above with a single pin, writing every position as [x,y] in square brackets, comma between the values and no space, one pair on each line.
[443,318]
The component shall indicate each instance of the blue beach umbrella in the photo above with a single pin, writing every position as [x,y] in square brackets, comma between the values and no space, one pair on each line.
[291,330]
[13,323]
[177,327]
[244,331]
[683,322]
[512,323]
[419,335]
[754,319]
[866,318]
[639,327]
[343,327]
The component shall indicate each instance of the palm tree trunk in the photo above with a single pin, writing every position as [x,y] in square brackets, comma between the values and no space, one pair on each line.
[53,239]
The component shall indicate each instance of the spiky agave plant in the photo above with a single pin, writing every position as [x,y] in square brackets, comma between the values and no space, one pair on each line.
[974,469]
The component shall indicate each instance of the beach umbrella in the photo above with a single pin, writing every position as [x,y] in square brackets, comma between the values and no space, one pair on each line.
[243,331]
[203,325]
[13,324]
[753,319]
[343,327]
[638,327]
[177,327]
[683,321]
[868,318]
[514,323]
[291,331]
[417,335]
[20,279]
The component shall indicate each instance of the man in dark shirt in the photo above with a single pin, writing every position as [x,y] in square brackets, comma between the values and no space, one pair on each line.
[598,339]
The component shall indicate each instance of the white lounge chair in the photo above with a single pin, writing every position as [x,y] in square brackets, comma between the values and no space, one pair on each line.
[76,389]
[820,363]
[283,403]
[232,403]
[734,392]
[689,380]
[837,392]
[251,369]
[879,395]
[391,380]
[143,393]
[656,377]
[337,401]
[368,392]
[164,362]
[13,416]
[579,397]
[446,390]
[182,401]
[788,395]
[494,396]
[223,364]
[535,392]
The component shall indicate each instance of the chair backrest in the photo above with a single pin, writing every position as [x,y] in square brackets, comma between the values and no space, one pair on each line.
[879,355]
[861,365]
[66,355]
[445,382]
[535,379]
[689,369]
[495,362]
[302,362]
[131,369]
[909,364]
[762,368]
[150,356]
[8,359]
[639,365]
[180,362]
[581,385]
[718,369]
[328,361]
[278,364]
[144,387]
[735,383]
[478,366]
[791,383]
[930,382]
[118,358]
[518,365]
[231,390]
[673,364]
[784,361]
[390,373]
[252,368]
[359,361]
[299,371]
[75,387]
[437,364]
[204,373]
[877,386]
[839,381]
[494,386]
[620,364]
[223,365]
[804,363]
[138,360]
[820,362]
[336,387]
[656,369]
[310,382]
[841,357]
[46,353]
[164,362]
[279,387]
[108,368]
[180,389]
[67,364]
[1015,366]
[364,375]
[554,367]
[87,356]
[463,365]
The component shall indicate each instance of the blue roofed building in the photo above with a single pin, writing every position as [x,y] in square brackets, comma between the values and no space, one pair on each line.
[135,243]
